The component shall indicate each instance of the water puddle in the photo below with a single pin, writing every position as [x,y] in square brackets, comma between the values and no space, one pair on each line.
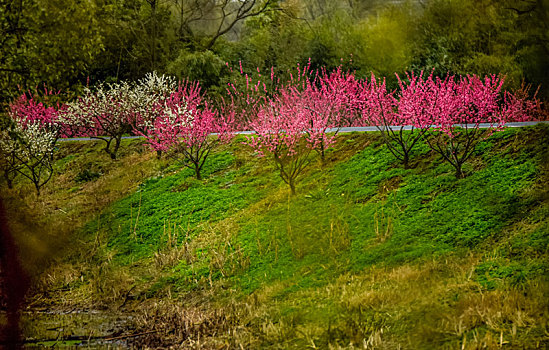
[91,329]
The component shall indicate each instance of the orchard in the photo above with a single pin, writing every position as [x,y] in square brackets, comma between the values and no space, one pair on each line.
[274,174]
[290,119]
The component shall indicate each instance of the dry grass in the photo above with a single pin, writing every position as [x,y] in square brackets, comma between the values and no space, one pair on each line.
[448,304]
[434,304]
[44,226]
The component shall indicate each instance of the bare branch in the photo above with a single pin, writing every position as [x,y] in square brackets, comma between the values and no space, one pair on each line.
[244,11]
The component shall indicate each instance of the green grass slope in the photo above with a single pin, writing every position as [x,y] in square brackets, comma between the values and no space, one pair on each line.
[366,255]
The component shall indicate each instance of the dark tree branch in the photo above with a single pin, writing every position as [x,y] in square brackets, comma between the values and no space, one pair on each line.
[244,11]
[532,7]
[521,12]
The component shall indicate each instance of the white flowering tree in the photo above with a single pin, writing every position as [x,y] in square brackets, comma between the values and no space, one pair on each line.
[34,153]
[148,98]
[105,114]
[109,111]
[27,143]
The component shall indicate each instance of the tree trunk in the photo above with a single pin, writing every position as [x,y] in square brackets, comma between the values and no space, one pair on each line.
[322,156]
[459,171]
[292,186]
[406,161]
[197,172]
[112,154]
[108,148]
[9,180]
[116,147]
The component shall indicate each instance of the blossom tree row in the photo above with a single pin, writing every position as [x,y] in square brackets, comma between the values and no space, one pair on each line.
[446,112]
[291,120]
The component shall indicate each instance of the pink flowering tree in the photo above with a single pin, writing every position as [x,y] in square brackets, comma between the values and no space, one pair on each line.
[105,113]
[251,91]
[341,97]
[37,107]
[329,102]
[166,110]
[466,104]
[27,144]
[402,116]
[248,93]
[326,100]
[288,129]
[188,128]
[147,97]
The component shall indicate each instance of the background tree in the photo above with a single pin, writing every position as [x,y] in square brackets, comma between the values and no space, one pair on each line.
[46,41]
[8,147]
[484,37]
[61,43]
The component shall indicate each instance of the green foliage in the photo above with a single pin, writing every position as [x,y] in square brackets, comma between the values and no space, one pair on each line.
[328,43]
[494,273]
[52,42]
[138,38]
[366,211]
[205,67]
[274,39]
[386,43]
[87,175]
[137,225]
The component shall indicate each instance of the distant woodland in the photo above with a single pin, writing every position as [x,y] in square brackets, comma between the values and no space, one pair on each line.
[67,44]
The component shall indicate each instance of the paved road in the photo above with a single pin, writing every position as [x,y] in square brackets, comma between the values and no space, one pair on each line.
[347,129]
[409,127]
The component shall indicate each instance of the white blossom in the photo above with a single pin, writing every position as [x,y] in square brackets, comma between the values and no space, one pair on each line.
[32,142]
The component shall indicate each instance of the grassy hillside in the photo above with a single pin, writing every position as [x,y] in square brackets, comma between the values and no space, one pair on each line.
[366,255]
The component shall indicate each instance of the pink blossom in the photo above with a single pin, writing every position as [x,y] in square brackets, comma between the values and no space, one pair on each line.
[186,126]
